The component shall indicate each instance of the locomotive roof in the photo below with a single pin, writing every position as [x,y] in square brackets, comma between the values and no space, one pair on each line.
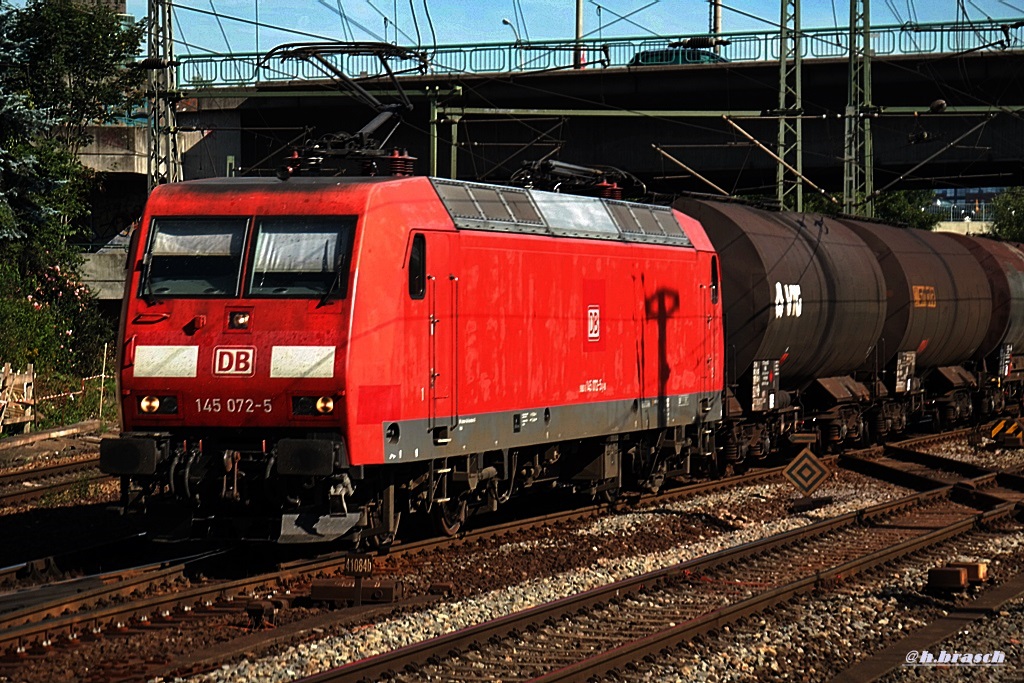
[498,208]
[263,182]
[474,206]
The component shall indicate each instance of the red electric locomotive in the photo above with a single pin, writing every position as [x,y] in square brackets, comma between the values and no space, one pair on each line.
[310,359]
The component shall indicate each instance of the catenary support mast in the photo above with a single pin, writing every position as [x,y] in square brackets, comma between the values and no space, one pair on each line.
[164,163]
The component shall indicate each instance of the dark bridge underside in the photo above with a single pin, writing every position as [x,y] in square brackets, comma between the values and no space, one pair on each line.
[493,145]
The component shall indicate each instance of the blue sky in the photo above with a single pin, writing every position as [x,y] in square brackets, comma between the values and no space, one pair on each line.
[477,21]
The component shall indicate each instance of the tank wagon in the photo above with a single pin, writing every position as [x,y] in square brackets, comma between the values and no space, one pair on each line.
[844,331]
[313,359]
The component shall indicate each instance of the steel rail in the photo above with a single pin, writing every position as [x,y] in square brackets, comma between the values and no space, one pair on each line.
[150,609]
[35,630]
[893,657]
[473,536]
[48,472]
[72,625]
[630,652]
[375,667]
[31,493]
[20,440]
[60,563]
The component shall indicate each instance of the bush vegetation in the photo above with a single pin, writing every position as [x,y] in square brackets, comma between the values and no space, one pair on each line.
[64,65]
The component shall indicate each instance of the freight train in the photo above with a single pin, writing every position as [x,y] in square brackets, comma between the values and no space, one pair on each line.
[314,359]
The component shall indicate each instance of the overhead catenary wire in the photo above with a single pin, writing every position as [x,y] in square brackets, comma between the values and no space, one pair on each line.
[623,17]
[686,123]
[415,23]
[517,12]
[626,18]
[780,160]
[346,28]
[689,170]
[430,23]
[220,25]
[387,19]
[250,22]
[903,176]
[349,21]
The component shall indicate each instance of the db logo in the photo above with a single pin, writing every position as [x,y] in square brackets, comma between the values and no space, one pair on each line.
[593,323]
[234,360]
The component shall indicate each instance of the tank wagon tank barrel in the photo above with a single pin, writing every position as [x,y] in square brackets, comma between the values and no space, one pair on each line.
[841,330]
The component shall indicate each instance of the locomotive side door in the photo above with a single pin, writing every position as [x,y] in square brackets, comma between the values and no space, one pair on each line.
[711,329]
[442,291]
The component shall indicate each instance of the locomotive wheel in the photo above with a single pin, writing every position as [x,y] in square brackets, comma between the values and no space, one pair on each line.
[381,541]
[450,516]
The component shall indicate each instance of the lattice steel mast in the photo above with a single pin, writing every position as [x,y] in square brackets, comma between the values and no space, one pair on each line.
[164,163]
[790,190]
[858,156]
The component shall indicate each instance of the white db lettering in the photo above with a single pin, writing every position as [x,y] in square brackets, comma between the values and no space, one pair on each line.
[234,360]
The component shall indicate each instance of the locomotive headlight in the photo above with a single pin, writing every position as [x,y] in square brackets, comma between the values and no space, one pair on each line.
[239,320]
[312,405]
[162,405]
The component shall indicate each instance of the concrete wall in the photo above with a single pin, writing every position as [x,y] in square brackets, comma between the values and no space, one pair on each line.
[125,149]
[104,273]
[965,227]
[117,149]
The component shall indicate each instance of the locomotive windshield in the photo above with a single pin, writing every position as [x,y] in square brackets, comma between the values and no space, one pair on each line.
[194,257]
[305,256]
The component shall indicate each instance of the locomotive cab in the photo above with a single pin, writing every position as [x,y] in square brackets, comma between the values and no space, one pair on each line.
[231,393]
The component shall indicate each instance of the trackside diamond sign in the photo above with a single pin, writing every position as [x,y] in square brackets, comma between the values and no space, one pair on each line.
[806,472]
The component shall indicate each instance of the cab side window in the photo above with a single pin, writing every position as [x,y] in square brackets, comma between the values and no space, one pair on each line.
[418,268]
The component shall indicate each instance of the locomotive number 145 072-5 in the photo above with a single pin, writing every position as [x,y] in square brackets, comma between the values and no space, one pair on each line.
[233,405]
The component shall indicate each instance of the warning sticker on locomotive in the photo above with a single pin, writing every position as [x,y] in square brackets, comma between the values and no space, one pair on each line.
[593,305]
[764,385]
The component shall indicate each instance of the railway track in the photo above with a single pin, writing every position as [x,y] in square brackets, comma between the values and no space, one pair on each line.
[22,440]
[144,599]
[593,633]
[588,635]
[30,485]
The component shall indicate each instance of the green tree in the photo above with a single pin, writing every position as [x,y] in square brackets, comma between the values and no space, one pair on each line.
[907,208]
[1008,214]
[904,208]
[19,123]
[78,65]
[78,70]
[64,65]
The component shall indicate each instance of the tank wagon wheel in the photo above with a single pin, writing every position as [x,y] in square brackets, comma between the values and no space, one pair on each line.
[607,496]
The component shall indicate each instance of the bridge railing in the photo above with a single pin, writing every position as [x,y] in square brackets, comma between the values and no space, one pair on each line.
[240,69]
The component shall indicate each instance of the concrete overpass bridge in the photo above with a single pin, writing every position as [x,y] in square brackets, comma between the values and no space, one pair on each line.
[479,111]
